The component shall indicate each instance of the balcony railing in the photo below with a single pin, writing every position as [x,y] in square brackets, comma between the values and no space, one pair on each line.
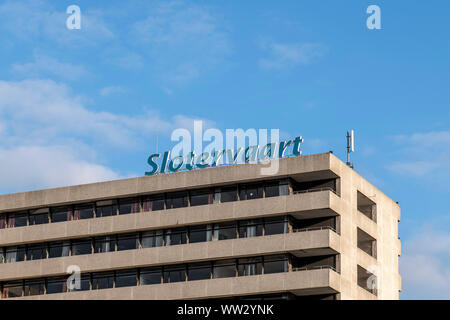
[314,268]
[315,190]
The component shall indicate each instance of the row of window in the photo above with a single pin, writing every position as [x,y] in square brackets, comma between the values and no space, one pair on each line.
[148,276]
[148,239]
[144,204]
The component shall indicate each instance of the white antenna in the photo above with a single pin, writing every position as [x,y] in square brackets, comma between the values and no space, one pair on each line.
[350,146]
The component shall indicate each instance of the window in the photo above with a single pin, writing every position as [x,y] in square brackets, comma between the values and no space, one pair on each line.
[15,254]
[36,252]
[177,200]
[201,197]
[56,285]
[83,212]
[200,234]
[102,281]
[34,287]
[249,266]
[152,239]
[249,229]
[127,206]
[81,247]
[251,192]
[106,210]
[39,217]
[199,271]
[367,243]
[127,242]
[150,276]
[228,194]
[59,249]
[276,225]
[85,284]
[175,236]
[12,289]
[174,274]
[272,189]
[366,206]
[367,280]
[3,219]
[104,244]
[224,231]
[126,279]
[275,264]
[153,203]
[224,269]
[61,214]
[17,219]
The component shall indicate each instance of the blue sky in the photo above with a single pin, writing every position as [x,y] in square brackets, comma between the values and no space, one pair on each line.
[85,105]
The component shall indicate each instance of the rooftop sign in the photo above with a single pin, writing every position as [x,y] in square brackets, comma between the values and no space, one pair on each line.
[190,161]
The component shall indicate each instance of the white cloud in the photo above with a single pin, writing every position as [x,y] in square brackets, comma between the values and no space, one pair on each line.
[31,19]
[37,117]
[423,153]
[43,66]
[425,267]
[29,167]
[107,91]
[183,41]
[287,55]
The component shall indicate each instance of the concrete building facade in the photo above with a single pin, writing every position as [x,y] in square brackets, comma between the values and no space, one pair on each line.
[314,230]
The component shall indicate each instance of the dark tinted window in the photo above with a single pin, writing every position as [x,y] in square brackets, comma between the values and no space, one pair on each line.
[102,281]
[36,252]
[177,200]
[249,229]
[18,219]
[251,192]
[199,234]
[126,279]
[275,264]
[152,239]
[12,289]
[58,249]
[199,272]
[106,211]
[56,285]
[272,190]
[15,254]
[228,194]
[153,203]
[127,242]
[34,287]
[174,274]
[38,218]
[104,244]
[275,226]
[224,269]
[249,266]
[127,206]
[150,276]
[201,197]
[81,247]
[224,231]
[84,284]
[175,236]
[61,214]
[83,212]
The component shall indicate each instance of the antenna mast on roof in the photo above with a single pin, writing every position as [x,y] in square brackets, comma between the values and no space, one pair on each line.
[350,146]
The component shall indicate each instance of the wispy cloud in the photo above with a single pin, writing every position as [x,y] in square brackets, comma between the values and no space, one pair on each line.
[44,123]
[184,41]
[287,55]
[44,66]
[425,265]
[111,90]
[422,153]
[32,19]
